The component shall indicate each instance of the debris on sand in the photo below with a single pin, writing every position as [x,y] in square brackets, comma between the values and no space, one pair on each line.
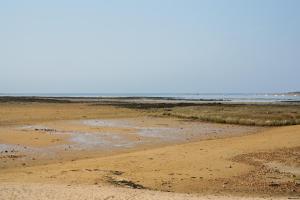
[129,184]
[274,184]
[118,173]
[125,183]
[45,129]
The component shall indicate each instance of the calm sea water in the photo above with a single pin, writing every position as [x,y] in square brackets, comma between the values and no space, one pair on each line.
[236,97]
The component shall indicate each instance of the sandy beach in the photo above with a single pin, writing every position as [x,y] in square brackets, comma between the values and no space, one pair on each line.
[150,100]
[81,151]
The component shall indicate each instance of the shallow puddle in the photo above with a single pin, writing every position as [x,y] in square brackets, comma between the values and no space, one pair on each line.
[107,123]
[84,140]
[75,138]
[164,133]
[144,131]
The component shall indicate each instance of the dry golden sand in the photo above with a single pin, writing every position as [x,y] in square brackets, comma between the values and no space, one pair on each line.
[195,167]
[33,191]
[216,166]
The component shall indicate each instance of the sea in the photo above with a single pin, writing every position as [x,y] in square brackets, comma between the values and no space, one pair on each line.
[233,97]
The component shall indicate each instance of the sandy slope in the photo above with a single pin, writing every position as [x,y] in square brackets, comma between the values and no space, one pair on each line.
[17,191]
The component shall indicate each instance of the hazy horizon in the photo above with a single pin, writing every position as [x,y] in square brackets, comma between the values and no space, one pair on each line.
[150,46]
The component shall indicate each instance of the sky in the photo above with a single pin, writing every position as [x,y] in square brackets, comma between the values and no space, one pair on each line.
[154,46]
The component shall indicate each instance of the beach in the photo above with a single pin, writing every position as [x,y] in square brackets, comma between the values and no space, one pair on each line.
[150,100]
[100,149]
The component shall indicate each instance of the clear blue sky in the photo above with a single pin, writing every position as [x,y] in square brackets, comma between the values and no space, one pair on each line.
[149,46]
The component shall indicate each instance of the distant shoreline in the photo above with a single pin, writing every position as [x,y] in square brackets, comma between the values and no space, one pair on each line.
[137,99]
[182,97]
[293,93]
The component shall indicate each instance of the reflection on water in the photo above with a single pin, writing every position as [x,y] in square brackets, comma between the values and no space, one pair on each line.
[84,140]
[154,132]
[107,123]
[99,140]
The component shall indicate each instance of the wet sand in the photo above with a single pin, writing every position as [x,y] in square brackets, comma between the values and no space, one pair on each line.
[50,147]
[76,139]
